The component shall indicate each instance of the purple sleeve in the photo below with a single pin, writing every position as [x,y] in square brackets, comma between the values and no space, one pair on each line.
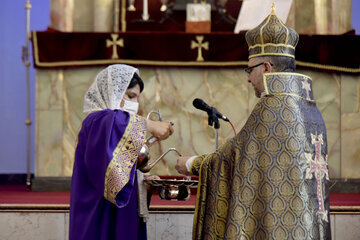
[102,131]
[107,152]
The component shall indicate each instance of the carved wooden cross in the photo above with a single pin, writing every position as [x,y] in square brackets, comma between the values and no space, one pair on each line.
[114,43]
[200,45]
[318,166]
[306,86]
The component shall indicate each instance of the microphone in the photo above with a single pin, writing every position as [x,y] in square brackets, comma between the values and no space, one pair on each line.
[201,105]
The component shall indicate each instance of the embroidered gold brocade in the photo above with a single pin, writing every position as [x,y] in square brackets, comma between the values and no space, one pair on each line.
[255,186]
[124,157]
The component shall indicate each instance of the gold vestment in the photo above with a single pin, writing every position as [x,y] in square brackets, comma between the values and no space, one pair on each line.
[270,180]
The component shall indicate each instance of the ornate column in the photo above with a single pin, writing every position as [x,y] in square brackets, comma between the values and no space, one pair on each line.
[62,15]
[340,16]
[304,16]
[291,18]
[103,15]
[321,16]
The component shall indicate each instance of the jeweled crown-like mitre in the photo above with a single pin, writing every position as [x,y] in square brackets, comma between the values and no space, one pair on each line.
[272,38]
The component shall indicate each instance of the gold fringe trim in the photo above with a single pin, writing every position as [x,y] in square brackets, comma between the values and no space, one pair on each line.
[327,67]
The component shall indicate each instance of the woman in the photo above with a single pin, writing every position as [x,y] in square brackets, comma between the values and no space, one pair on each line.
[103,202]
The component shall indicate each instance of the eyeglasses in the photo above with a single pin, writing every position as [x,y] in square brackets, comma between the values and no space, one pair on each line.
[248,70]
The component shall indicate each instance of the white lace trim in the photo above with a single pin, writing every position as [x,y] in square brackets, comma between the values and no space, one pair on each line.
[109,87]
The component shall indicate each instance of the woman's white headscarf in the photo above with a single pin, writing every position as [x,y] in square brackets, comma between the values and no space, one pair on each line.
[109,87]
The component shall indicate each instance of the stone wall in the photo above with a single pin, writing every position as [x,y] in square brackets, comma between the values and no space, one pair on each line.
[59,102]
[161,226]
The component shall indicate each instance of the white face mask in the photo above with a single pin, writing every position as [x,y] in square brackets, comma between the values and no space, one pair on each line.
[130,106]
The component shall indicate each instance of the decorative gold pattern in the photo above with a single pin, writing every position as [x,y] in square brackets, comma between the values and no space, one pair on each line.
[124,157]
[327,67]
[255,185]
[200,45]
[272,37]
[114,43]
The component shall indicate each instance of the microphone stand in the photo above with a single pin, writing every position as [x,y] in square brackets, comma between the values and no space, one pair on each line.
[216,138]
[214,120]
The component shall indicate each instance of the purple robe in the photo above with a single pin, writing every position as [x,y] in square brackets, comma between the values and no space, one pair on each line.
[103,202]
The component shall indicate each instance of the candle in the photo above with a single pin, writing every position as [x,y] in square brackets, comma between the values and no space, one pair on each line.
[145,15]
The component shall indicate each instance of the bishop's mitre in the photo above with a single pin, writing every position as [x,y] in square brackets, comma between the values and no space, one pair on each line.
[272,38]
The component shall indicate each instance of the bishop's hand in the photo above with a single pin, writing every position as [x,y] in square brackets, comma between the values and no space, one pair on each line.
[181,165]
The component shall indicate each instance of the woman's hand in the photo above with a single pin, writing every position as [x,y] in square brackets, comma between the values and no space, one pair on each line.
[160,130]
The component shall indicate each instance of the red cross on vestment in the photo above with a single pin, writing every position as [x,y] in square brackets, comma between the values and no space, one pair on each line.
[318,168]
